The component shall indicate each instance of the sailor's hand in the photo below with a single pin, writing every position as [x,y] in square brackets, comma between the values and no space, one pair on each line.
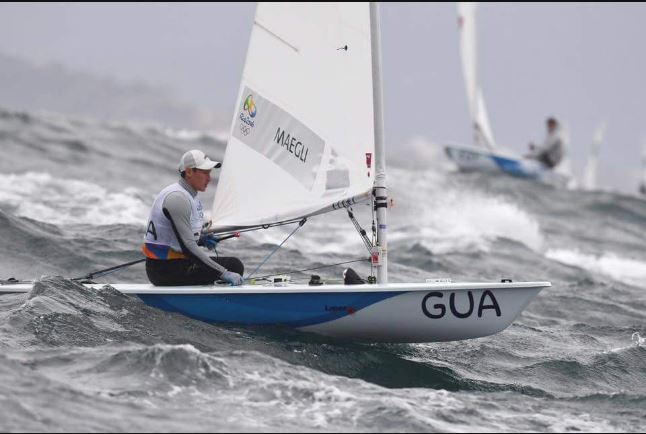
[232,278]
[209,241]
[207,225]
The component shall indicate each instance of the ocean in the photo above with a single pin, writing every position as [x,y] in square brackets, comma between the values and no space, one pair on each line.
[74,198]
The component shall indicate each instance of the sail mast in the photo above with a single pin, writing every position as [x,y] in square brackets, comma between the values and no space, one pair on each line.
[380,192]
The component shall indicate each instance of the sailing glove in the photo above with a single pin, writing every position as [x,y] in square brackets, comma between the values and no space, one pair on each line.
[209,241]
[234,279]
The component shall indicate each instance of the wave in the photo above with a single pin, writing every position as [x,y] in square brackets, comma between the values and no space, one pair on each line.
[625,270]
[451,218]
[42,197]
[74,195]
[195,135]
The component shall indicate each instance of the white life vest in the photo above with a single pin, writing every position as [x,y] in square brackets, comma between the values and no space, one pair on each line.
[160,241]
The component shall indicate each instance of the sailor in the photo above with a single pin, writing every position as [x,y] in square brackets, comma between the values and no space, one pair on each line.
[175,232]
[551,152]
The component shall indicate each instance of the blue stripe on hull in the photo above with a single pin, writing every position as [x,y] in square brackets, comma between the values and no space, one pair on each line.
[294,310]
[512,167]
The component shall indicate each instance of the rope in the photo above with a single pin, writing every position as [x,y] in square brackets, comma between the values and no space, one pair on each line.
[312,269]
[300,224]
[107,271]
[255,228]
[362,232]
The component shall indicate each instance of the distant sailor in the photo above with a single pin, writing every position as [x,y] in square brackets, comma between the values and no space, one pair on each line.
[174,232]
[552,151]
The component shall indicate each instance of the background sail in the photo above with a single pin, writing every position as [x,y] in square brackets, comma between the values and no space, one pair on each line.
[467,24]
[590,174]
[302,136]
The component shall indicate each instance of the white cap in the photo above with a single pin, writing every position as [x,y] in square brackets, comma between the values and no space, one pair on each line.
[198,160]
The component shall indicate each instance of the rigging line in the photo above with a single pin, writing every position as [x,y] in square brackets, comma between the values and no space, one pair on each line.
[255,228]
[107,271]
[314,268]
[300,224]
[362,232]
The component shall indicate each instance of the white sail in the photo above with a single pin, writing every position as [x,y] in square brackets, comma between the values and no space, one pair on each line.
[302,136]
[467,24]
[590,174]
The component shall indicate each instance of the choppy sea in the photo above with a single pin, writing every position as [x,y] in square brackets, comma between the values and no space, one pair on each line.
[74,198]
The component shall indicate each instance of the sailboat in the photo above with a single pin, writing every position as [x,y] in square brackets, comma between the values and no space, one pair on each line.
[307,139]
[590,173]
[485,155]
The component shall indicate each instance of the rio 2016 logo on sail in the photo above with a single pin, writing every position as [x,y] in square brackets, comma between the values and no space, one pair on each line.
[247,114]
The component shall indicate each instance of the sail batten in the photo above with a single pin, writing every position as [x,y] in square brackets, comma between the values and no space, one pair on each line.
[302,136]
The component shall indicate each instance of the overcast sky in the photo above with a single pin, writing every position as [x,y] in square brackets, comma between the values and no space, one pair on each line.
[583,63]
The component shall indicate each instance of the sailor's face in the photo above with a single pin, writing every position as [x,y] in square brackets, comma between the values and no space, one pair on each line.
[198,178]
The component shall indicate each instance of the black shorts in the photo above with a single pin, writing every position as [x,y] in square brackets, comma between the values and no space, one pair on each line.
[181,272]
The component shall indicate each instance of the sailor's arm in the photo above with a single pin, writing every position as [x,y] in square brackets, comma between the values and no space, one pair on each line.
[177,209]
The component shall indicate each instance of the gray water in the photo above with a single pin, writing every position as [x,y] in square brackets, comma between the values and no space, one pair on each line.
[75,195]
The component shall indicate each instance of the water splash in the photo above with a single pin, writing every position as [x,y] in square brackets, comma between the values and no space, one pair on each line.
[42,197]
[452,218]
[626,270]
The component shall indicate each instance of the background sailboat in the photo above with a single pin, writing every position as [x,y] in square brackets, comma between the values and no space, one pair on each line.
[306,139]
[485,155]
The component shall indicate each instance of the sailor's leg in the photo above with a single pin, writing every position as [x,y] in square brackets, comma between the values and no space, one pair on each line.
[171,272]
[230,263]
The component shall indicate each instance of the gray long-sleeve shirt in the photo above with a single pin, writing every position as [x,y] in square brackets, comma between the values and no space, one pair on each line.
[552,151]
[177,209]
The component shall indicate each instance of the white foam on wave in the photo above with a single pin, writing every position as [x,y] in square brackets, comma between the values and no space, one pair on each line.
[626,270]
[453,219]
[42,197]
[636,341]
[193,135]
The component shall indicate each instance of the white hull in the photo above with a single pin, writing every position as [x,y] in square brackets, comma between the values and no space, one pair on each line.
[474,159]
[425,312]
